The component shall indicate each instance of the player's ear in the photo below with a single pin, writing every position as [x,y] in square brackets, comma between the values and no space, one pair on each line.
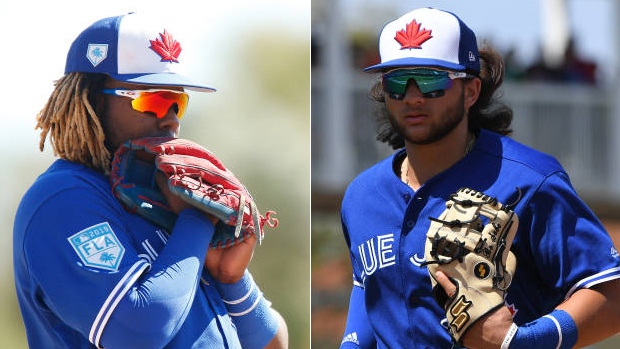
[471,91]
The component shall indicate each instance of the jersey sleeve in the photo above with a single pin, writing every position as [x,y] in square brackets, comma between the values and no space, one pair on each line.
[568,245]
[358,271]
[84,268]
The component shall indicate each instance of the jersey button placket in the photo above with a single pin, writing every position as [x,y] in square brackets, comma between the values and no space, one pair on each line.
[414,204]
[414,300]
[407,197]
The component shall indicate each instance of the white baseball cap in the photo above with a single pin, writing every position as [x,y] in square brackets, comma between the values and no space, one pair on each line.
[131,48]
[428,37]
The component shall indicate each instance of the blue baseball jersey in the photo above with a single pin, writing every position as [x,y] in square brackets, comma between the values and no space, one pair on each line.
[560,245]
[89,274]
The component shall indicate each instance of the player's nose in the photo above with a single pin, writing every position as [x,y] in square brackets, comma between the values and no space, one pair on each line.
[413,95]
[170,121]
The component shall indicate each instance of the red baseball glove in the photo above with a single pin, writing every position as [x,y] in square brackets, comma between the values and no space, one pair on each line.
[196,176]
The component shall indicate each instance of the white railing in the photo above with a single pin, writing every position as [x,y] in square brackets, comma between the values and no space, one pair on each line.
[574,123]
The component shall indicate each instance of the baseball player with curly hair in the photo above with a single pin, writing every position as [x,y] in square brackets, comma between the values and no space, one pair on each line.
[409,214]
[91,274]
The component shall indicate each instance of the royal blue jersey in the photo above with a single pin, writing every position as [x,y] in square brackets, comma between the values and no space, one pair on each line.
[560,245]
[89,274]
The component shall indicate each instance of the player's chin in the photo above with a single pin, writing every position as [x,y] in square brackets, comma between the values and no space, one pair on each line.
[417,135]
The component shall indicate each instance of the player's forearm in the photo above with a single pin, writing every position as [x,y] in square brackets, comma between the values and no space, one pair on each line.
[595,311]
[587,317]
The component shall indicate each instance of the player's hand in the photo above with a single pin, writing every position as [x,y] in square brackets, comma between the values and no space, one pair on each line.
[490,330]
[175,202]
[229,264]
[447,285]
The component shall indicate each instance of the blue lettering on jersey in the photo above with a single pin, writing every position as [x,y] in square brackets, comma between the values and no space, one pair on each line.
[98,247]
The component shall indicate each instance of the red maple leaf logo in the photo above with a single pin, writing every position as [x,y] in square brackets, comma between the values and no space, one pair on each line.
[513,310]
[166,47]
[412,36]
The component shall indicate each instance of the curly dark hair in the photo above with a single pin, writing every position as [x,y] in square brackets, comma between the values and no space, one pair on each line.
[487,113]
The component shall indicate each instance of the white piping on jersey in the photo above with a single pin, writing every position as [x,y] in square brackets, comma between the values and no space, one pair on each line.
[358,284]
[149,249]
[607,275]
[162,235]
[119,291]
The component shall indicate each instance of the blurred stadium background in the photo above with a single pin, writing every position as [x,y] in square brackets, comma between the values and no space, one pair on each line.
[257,123]
[563,65]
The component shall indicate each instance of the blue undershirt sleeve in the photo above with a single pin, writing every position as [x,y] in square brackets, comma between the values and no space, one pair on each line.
[358,333]
[154,309]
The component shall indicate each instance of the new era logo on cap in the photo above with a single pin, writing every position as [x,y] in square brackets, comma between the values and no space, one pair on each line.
[131,48]
[428,37]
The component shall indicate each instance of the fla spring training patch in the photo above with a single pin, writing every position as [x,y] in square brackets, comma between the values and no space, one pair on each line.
[98,247]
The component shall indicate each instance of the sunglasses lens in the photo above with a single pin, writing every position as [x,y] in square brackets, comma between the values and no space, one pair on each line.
[395,85]
[427,81]
[159,102]
[428,84]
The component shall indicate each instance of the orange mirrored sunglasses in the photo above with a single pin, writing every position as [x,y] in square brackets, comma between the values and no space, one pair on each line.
[156,101]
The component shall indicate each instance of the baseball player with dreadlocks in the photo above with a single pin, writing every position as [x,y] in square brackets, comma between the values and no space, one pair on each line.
[91,274]
[464,237]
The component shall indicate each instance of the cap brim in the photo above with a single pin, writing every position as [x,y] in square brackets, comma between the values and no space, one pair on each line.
[163,79]
[415,62]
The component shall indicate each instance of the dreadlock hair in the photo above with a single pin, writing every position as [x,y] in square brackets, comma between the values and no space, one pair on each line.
[70,120]
[488,112]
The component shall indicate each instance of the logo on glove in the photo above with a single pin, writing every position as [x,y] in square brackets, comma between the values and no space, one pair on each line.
[482,270]
[459,313]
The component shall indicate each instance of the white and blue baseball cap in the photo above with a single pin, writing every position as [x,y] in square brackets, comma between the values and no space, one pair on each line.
[132,48]
[428,37]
